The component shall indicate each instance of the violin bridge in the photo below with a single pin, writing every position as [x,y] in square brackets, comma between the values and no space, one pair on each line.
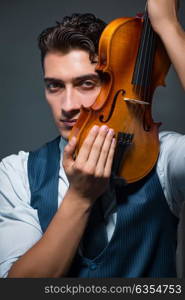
[135,101]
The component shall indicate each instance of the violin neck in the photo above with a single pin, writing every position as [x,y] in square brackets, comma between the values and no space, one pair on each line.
[145,58]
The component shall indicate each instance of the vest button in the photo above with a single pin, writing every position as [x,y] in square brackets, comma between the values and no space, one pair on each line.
[93,266]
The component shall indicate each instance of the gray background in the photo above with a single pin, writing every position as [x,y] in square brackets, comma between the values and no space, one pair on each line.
[25,119]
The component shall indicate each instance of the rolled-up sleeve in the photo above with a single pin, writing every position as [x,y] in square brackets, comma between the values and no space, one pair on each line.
[19,223]
[171,169]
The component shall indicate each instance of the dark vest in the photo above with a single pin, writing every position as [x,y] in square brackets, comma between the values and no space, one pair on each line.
[144,240]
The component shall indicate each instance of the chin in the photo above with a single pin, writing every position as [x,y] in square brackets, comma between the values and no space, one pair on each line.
[65,133]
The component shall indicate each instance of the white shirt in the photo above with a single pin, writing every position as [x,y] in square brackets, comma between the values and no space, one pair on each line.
[19,224]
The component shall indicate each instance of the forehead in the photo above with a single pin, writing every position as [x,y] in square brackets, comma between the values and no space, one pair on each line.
[66,66]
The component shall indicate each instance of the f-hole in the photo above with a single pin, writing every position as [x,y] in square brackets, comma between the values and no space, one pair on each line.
[101,118]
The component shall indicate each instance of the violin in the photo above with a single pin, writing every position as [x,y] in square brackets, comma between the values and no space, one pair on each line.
[134,62]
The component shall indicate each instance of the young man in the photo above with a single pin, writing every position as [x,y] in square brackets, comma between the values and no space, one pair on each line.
[48,200]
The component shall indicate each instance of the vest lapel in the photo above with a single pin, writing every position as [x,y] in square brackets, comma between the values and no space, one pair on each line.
[43,174]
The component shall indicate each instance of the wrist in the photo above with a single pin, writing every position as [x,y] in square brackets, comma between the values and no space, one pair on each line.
[167,28]
[78,200]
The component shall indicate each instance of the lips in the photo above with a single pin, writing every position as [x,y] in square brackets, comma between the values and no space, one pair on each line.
[69,123]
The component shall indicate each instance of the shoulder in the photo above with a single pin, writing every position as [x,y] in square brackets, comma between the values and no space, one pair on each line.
[172,148]
[170,138]
[17,161]
[171,168]
[14,164]
[19,223]
[13,176]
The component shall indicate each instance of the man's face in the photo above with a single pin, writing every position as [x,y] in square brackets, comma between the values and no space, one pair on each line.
[70,82]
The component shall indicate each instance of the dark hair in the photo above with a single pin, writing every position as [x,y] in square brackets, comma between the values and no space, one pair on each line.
[79,31]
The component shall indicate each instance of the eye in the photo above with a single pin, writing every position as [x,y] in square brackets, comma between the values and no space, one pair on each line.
[53,87]
[88,84]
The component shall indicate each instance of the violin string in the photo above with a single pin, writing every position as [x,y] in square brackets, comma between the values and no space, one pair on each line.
[145,44]
[146,70]
[151,61]
[150,58]
[143,78]
[153,56]
[146,22]
[139,62]
[145,50]
[148,67]
[142,67]
[155,47]
[140,84]
[140,55]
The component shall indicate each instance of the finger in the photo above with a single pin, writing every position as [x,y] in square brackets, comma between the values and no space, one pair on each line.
[69,151]
[104,153]
[108,165]
[87,145]
[97,147]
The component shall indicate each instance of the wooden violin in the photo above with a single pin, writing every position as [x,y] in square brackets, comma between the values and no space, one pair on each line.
[135,62]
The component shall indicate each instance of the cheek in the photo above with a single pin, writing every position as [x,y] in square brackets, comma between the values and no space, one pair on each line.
[89,99]
[54,105]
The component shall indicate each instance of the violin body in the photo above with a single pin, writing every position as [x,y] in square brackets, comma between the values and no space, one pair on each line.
[124,103]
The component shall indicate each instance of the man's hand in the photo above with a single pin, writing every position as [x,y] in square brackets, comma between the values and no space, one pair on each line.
[89,174]
[162,13]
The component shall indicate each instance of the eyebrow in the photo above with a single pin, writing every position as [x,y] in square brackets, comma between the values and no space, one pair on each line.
[75,79]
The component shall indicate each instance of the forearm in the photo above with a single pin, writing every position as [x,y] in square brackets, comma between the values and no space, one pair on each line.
[89,177]
[173,37]
[164,20]
[53,254]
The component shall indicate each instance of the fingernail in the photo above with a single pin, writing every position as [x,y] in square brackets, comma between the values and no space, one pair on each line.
[95,128]
[104,128]
[113,141]
[111,131]
[73,141]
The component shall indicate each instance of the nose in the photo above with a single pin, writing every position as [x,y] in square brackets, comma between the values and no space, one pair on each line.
[70,100]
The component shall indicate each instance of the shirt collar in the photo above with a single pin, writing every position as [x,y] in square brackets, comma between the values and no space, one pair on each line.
[62,144]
